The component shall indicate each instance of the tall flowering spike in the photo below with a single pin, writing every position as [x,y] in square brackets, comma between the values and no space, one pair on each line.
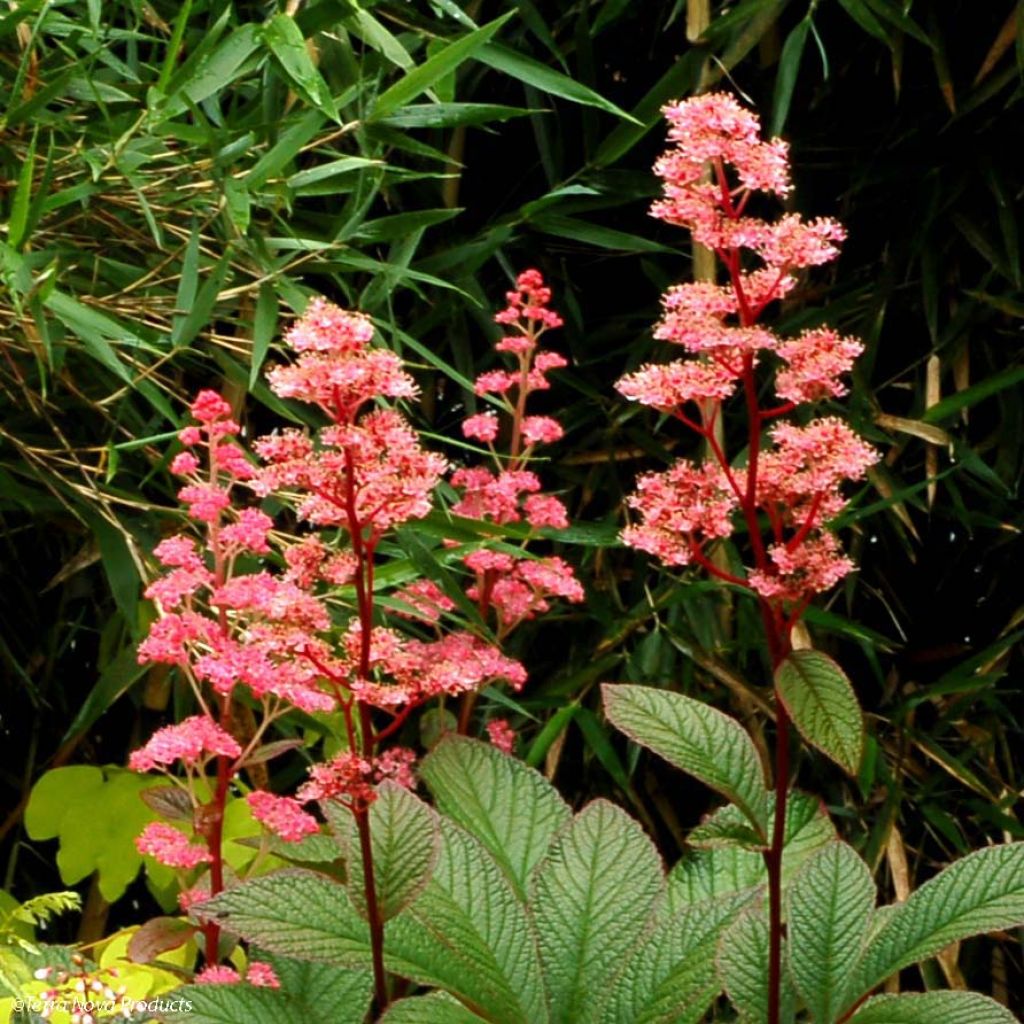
[337,369]
[787,490]
[515,589]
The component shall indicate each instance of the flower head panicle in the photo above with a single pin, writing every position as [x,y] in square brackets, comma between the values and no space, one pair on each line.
[408,673]
[717,160]
[427,601]
[347,777]
[378,463]
[679,508]
[545,511]
[396,765]
[815,565]
[191,741]
[481,427]
[528,305]
[493,496]
[258,973]
[171,847]
[667,386]
[249,531]
[262,975]
[282,815]
[502,735]
[218,974]
[815,362]
[523,588]
[337,369]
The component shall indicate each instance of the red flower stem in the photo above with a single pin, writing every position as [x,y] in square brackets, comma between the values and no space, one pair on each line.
[776,631]
[363,551]
[808,524]
[708,434]
[397,722]
[702,560]
[212,816]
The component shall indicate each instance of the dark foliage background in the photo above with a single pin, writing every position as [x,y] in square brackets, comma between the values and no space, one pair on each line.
[171,193]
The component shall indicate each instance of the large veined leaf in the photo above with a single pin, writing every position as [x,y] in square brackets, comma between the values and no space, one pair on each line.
[404,838]
[695,737]
[326,994]
[296,913]
[831,901]
[512,809]
[309,994]
[469,934]
[933,1008]
[228,1004]
[670,977]
[823,706]
[706,874]
[982,892]
[591,899]
[743,967]
[435,1008]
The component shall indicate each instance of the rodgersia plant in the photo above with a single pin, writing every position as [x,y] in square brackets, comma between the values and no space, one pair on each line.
[508,908]
[497,903]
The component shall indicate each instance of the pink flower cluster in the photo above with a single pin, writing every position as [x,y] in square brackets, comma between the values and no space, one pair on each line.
[351,779]
[337,369]
[282,815]
[405,672]
[717,162]
[258,973]
[192,741]
[171,847]
[516,587]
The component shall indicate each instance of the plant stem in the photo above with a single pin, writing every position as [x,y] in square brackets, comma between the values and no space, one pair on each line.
[773,861]
[362,816]
[363,549]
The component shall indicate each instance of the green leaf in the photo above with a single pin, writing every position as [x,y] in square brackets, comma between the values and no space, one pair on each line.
[447,115]
[230,1004]
[512,809]
[263,329]
[404,837]
[116,679]
[210,73]
[594,234]
[285,41]
[324,993]
[975,393]
[540,76]
[96,817]
[670,977]
[789,69]
[592,898]
[696,738]
[435,1008]
[21,201]
[823,706]
[982,892]
[830,903]
[296,913]
[316,994]
[443,63]
[239,204]
[53,795]
[933,1008]
[742,960]
[469,934]
[713,873]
